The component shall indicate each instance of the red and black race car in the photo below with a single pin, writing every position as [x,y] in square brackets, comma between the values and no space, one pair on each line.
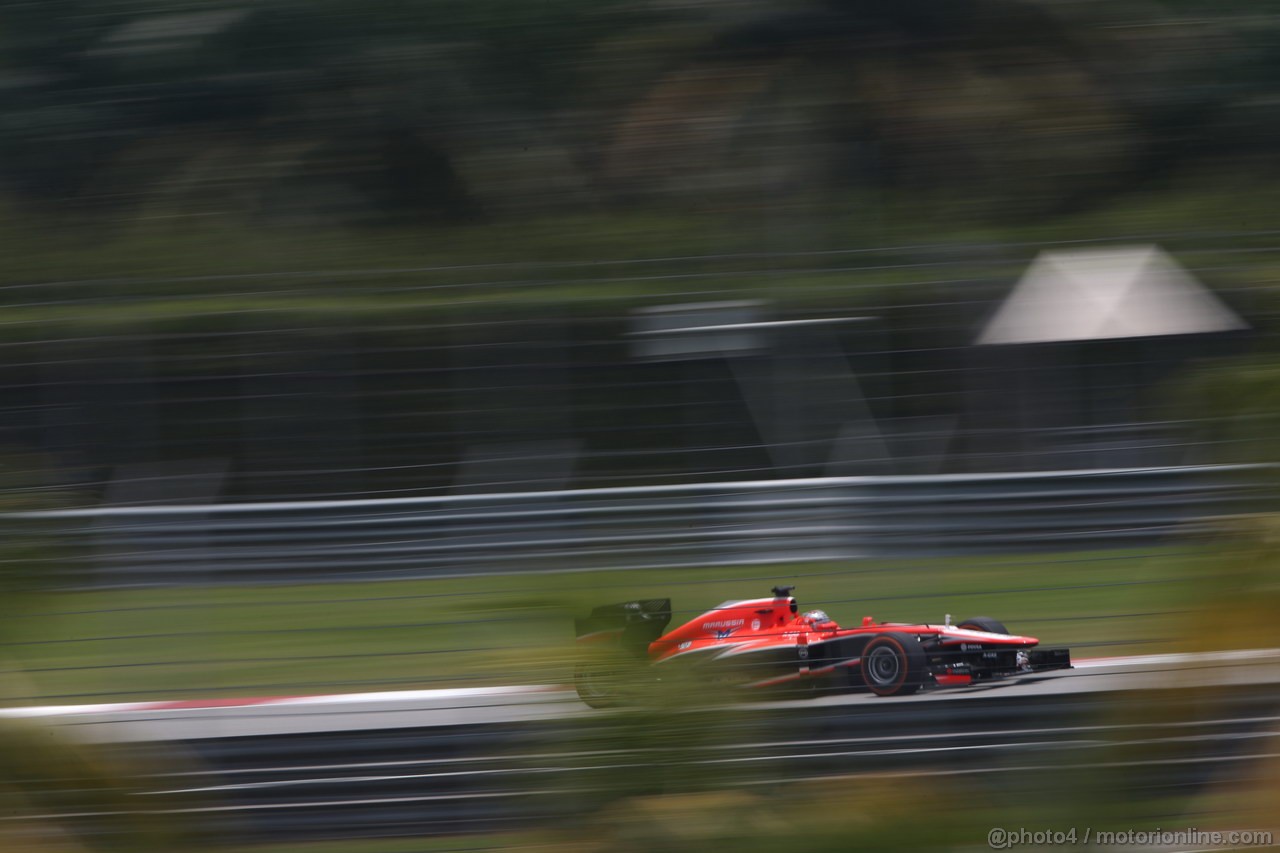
[768,643]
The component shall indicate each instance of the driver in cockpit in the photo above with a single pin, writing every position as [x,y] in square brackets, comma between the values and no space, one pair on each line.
[818,620]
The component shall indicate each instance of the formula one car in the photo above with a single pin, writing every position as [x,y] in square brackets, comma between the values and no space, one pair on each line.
[767,643]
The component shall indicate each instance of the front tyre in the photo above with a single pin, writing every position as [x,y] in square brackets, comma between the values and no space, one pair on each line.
[984,623]
[894,665]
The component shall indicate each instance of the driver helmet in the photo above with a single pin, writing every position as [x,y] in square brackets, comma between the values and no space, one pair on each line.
[816,617]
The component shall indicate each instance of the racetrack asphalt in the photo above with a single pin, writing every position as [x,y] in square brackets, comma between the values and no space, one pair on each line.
[264,716]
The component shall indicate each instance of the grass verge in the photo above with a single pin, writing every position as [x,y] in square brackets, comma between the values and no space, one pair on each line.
[116,645]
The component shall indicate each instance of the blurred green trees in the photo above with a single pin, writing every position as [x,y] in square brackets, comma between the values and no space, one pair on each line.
[399,111]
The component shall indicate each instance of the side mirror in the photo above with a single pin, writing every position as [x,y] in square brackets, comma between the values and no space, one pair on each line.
[867,621]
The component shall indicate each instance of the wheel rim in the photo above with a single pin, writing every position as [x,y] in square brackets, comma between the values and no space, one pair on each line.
[883,665]
[594,682]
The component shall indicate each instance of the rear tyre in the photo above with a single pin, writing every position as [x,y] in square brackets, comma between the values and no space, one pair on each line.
[984,623]
[597,683]
[894,665]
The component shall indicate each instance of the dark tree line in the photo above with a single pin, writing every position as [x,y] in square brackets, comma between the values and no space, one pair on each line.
[393,110]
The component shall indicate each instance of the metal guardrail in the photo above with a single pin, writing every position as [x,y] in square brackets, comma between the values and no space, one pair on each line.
[621,528]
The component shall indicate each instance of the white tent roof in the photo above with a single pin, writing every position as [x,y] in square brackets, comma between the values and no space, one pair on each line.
[1095,294]
[172,31]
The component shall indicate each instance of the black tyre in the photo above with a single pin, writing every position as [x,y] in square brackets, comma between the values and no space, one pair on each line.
[597,683]
[893,665]
[984,623]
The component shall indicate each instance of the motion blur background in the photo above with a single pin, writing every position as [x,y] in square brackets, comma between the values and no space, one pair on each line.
[353,347]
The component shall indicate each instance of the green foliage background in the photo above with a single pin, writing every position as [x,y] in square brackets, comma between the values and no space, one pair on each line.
[148,120]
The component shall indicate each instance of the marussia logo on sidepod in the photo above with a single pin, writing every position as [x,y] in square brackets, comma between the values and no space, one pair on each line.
[722,628]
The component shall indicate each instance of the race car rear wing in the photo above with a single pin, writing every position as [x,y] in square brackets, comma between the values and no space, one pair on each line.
[633,625]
